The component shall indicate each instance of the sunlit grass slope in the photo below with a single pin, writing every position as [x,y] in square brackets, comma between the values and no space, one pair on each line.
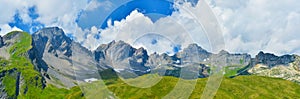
[21,80]
[240,87]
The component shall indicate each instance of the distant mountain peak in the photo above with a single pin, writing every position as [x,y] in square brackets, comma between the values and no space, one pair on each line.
[224,52]
[272,60]
[51,31]
[195,47]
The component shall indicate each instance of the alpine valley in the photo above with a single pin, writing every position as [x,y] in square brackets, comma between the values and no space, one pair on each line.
[48,64]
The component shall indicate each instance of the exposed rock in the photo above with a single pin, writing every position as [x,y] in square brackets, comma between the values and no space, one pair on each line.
[272,60]
[286,67]
[296,63]
[193,53]
[57,55]
[3,94]
[122,57]
[279,71]
[155,60]
[188,71]
[1,41]
[3,49]
[235,59]
[10,38]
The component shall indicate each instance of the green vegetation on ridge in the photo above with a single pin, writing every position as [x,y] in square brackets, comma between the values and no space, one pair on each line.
[240,87]
[21,80]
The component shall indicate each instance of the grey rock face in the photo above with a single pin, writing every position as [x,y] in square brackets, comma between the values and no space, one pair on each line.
[272,60]
[3,94]
[10,39]
[52,40]
[121,56]
[297,62]
[193,53]
[139,59]
[1,41]
[285,67]
[3,50]
[58,56]
[156,59]
[235,59]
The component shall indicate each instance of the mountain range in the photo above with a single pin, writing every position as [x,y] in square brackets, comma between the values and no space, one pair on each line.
[50,57]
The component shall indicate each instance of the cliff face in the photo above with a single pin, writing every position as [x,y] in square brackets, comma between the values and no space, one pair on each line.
[286,67]
[61,58]
[122,57]
[272,60]
[193,53]
[116,54]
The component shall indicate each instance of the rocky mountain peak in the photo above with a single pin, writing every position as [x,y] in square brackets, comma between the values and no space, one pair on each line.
[141,51]
[224,52]
[193,53]
[194,46]
[11,38]
[61,57]
[273,60]
[119,50]
[50,32]
[196,49]
[53,39]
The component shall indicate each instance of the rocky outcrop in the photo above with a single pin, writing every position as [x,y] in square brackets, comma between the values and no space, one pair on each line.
[61,58]
[193,54]
[285,67]
[272,60]
[122,57]
[3,94]
[1,41]
[296,63]
[156,60]
[233,59]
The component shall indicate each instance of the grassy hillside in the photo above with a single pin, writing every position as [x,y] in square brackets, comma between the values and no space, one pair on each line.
[240,87]
[21,80]
[252,87]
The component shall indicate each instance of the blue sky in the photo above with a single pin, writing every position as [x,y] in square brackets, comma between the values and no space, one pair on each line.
[87,19]
[93,18]
[248,25]
[30,27]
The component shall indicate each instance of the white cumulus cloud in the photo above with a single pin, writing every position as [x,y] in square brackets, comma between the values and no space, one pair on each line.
[254,25]
[248,25]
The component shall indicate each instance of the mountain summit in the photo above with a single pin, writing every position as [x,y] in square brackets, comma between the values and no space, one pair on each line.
[61,58]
